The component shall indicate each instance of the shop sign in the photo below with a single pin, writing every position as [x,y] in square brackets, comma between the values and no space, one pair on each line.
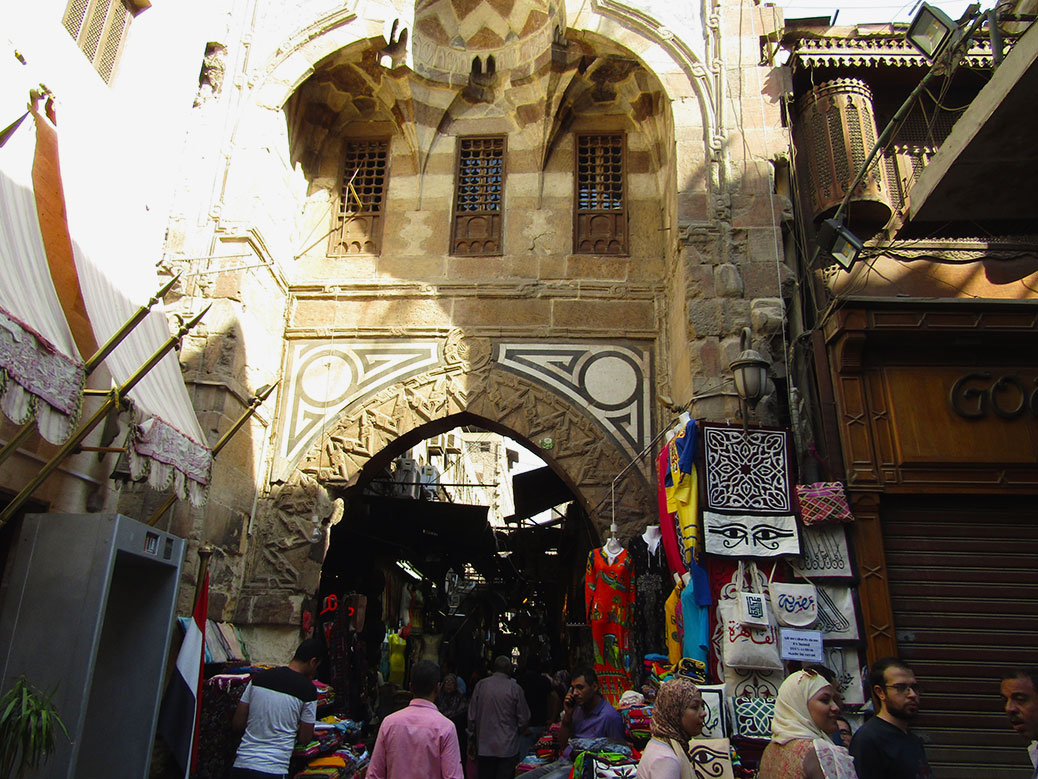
[802,645]
[980,394]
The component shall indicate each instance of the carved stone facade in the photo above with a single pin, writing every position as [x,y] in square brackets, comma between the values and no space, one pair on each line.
[380,336]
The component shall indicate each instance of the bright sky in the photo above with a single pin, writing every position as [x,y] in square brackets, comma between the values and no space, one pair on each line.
[864,12]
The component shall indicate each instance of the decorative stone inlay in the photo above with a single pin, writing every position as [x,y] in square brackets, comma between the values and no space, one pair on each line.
[327,376]
[610,382]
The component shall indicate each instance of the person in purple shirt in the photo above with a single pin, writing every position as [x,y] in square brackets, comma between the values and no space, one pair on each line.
[585,714]
[417,742]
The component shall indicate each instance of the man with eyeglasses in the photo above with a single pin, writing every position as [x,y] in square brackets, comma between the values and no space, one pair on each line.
[883,748]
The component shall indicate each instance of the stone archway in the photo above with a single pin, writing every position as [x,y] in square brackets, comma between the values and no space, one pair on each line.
[474,378]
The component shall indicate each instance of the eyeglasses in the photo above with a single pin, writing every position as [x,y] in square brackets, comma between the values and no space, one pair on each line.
[903,687]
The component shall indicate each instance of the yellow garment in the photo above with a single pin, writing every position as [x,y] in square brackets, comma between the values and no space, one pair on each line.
[396,659]
[321,762]
[674,628]
[683,499]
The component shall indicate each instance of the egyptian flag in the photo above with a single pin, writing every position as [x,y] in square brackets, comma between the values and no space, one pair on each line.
[181,711]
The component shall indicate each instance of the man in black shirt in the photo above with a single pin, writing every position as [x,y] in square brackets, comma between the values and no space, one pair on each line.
[883,748]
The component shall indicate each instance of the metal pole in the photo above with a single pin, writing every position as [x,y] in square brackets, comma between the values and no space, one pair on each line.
[251,409]
[114,398]
[88,367]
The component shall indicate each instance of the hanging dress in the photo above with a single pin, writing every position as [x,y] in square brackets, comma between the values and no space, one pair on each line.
[609,597]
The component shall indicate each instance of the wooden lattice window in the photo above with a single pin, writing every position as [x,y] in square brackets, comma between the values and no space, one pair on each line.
[362,198]
[600,216]
[99,28]
[479,197]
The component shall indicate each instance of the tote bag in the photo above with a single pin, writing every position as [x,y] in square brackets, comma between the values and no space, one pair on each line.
[753,605]
[743,647]
[795,605]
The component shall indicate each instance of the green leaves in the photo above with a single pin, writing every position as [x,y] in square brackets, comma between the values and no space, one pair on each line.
[29,724]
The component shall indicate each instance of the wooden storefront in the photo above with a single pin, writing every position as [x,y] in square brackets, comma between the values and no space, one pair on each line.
[936,405]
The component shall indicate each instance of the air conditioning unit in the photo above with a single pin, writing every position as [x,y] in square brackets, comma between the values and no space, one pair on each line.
[429,474]
[406,476]
[451,443]
[435,445]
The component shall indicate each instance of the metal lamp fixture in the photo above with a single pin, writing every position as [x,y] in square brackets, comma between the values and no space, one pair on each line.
[749,370]
[931,30]
[838,242]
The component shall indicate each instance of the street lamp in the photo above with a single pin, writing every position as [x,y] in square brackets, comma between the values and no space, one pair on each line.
[931,30]
[749,370]
[836,240]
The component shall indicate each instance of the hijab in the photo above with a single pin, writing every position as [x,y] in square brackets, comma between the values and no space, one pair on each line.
[793,721]
[792,717]
[674,696]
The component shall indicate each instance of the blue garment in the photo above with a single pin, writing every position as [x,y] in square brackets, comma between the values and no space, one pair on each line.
[682,448]
[695,640]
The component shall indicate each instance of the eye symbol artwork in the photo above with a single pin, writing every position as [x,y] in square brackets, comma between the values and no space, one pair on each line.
[707,761]
[762,535]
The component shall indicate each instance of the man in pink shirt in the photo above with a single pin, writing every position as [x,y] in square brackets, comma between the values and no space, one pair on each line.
[417,742]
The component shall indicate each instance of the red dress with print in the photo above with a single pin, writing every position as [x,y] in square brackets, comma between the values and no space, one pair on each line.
[609,597]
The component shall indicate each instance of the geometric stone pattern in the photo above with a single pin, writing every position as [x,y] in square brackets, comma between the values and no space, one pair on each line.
[466,380]
[613,383]
[329,375]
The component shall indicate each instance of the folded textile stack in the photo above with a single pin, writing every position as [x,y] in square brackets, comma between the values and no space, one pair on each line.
[325,740]
[344,725]
[325,693]
[636,721]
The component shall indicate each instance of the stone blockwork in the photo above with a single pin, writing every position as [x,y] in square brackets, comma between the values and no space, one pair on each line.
[255,220]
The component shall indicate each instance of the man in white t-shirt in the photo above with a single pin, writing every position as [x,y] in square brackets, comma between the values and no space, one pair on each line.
[278,707]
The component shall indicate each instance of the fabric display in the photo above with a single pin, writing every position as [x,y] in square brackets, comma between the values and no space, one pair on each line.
[325,740]
[636,722]
[325,693]
[681,489]
[747,648]
[711,758]
[223,642]
[825,553]
[794,605]
[752,684]
[716,724]
[749,505]
[695,622]
[845,662]
[604,765]
[837,616]
[691,668]
[751,603]
[217,741]
[668,520]
[653,584]
[675,624]
[823,502]
[609,597]
[753,717]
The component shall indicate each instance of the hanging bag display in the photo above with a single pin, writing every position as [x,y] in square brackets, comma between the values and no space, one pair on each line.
[743,647]
[753,605]
[795,605]
[823,502]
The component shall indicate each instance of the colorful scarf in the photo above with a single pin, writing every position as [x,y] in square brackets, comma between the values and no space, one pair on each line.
[674,696]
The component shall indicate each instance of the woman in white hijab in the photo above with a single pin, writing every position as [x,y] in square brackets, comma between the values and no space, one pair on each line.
[801,748]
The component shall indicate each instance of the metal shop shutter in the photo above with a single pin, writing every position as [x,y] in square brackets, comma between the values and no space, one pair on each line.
[964,589]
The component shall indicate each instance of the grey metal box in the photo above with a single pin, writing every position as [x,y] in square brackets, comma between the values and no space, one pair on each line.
[88,608]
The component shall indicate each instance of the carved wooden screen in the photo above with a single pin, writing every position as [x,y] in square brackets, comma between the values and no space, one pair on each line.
[478,197]
[365,173]
[99,28]
[600,215]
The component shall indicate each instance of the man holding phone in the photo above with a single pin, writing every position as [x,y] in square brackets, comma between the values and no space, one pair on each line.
[585,714]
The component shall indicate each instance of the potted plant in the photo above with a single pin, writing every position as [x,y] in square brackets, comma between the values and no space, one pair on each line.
[29,724]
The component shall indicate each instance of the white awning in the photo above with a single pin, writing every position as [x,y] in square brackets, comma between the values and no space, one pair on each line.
[41,372]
